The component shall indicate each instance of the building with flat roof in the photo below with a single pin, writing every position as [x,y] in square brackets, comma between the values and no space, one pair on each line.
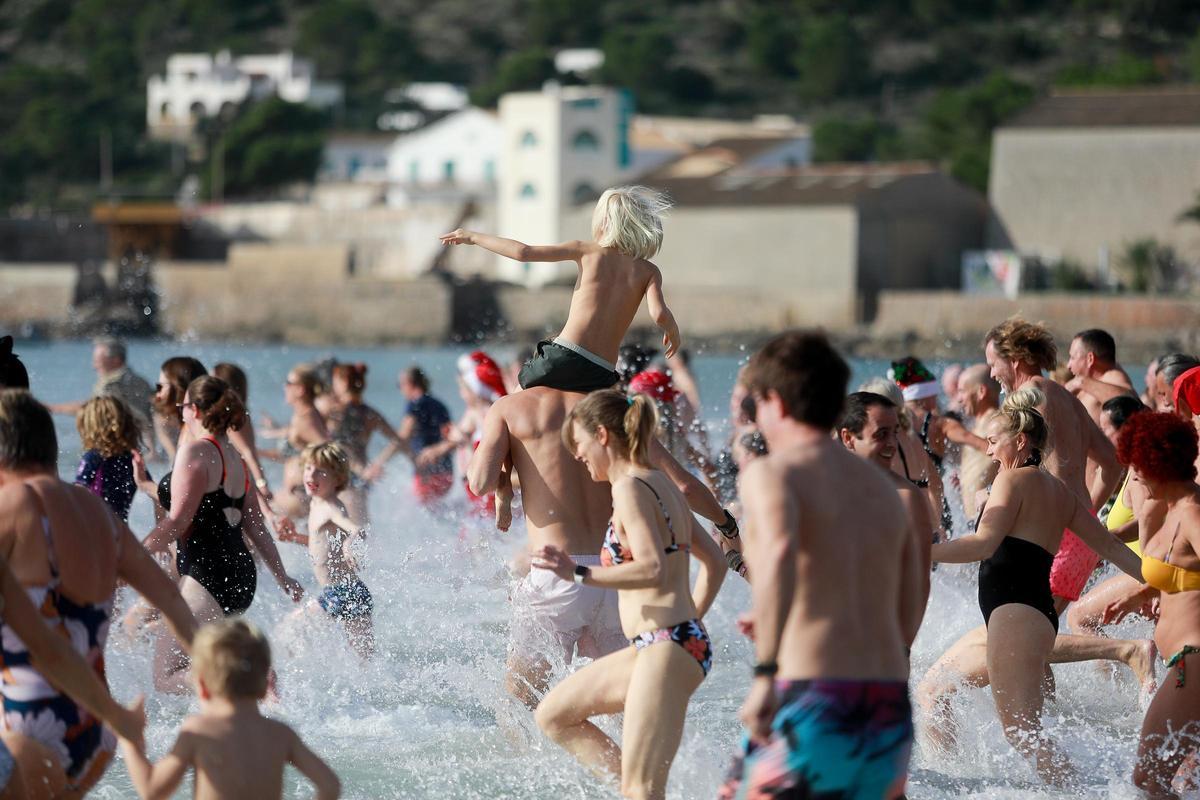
[198,85]
[1082,173]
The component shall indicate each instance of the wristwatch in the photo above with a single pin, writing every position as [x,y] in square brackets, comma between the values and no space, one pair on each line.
[581,573]
[729,528]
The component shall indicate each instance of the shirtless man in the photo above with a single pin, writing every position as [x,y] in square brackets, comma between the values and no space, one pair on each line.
[1092,359]
[868,429]
[837,579]
[979,398]
[1017,351]
[564,507]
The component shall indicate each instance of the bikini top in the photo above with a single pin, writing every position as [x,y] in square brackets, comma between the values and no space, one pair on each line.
[613,552]
[1166,577]
[210,518]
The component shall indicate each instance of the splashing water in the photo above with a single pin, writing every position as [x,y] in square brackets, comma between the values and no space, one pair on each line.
[429,717]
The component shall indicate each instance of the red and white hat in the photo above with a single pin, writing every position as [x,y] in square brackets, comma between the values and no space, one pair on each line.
[482,375]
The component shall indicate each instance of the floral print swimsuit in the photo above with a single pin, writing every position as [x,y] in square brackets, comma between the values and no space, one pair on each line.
[35,708]
[689,635]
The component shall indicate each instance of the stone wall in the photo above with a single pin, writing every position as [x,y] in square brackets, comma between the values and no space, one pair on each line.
[1144,322]
[35,294]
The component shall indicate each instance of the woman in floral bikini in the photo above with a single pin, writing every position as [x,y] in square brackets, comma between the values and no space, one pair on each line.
[645,558]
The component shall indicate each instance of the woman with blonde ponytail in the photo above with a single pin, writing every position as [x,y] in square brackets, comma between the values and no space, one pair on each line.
[1020,529]
[644,558]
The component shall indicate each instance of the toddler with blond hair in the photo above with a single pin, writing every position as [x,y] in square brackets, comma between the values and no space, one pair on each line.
[615,273]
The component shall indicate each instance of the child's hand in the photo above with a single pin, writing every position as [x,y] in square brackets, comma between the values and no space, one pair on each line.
[285,528]
[458,236]
[671,338]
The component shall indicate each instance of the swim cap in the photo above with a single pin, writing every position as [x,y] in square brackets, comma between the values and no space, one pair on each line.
[1187,388]
[655,383]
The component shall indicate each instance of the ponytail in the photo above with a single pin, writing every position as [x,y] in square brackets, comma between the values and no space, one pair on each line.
[219,407]
[641,421]
[631,421]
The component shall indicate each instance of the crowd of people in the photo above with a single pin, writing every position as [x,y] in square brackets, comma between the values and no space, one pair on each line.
[848,500]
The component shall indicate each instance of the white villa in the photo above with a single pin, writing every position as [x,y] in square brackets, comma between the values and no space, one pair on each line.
[200,85]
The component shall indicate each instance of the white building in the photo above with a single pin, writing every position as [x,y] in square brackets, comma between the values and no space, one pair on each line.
[459,153]
[560,148]
[200,85]
[359,157]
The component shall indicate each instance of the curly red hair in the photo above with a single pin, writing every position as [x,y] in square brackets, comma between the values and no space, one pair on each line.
[1161,447]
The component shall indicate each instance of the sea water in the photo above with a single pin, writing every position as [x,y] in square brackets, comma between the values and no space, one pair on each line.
[428,716]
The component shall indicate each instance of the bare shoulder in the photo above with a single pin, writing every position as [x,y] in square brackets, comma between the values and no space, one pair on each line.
[15,496]
[1117,377]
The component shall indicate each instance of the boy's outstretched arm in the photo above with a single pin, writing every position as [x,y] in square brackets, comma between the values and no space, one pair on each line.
[312,767]
[159,781]
[656,304]
[519,251]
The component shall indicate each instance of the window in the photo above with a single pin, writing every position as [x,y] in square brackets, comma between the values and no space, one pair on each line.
[528,192]
[529,139]
[583,193]
[165,111]
[448,172]
[585,140]
[489,171]
[414,171]
[196,109]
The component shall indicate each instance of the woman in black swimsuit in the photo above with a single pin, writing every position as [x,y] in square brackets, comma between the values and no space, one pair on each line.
[1019,531]
[210,502]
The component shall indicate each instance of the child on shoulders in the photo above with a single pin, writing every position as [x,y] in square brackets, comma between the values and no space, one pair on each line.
[615,273]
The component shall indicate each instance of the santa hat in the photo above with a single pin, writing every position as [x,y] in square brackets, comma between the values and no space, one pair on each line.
[1187,388]
[482,375]
[655,383]
[916,382]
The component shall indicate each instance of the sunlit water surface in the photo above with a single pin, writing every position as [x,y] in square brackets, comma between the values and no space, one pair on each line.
[428,717]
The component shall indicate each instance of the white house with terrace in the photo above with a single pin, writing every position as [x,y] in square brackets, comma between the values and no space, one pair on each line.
[198,85]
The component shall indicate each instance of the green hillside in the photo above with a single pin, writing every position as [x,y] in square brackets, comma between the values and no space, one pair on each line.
[878,80]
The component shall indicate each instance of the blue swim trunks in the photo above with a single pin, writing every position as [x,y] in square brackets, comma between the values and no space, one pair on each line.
[843,740]
[348,600]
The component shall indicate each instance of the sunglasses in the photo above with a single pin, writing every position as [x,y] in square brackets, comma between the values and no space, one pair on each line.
[158,387]
[184,405]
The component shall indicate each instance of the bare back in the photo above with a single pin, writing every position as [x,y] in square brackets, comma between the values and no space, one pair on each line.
[236,758]
[83,530]
[851,542]
[1040,506]
[608,293]
[1070,435]
[563,505]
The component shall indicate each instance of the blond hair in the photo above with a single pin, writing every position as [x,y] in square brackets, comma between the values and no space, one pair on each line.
[1021,415]
[106,425]
[630,420]
[331,457]
[889,389]
[233,658]
[629,218]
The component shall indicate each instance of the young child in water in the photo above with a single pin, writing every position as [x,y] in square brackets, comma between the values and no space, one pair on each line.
[110,435]
[614,275]
[330,534]
[237,753]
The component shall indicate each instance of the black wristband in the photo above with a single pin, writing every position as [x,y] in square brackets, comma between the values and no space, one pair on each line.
[581,573]
[767,670]
[735,561]
[729,528]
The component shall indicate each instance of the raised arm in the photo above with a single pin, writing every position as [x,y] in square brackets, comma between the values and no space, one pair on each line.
[1103,391]
[997,521]
[519,251]
[712,568]
[483,473]
[656,304]
[957,433]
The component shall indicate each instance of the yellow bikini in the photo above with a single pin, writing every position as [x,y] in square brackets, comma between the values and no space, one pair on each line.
[1121,514]
[1166,577]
